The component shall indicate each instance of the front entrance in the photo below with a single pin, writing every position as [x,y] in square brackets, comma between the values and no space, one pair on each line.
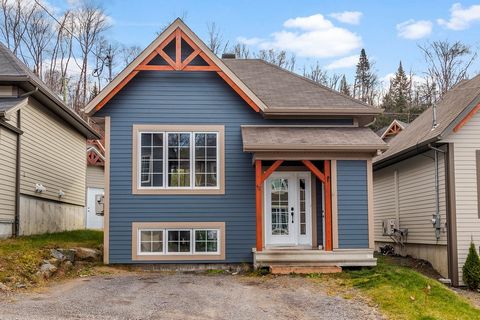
[288,209]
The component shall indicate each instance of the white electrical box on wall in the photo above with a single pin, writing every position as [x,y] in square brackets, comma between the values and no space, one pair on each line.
[389,226]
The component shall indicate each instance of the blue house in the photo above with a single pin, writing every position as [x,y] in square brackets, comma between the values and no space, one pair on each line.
[228,160]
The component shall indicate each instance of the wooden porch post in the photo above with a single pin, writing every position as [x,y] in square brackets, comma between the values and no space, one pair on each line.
[258,204]
[328,207]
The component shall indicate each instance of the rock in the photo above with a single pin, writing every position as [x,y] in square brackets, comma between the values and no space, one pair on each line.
[57,254]
[56,262]
[47,270]
[4,287]
[87,254]
[69,254]
[67,265]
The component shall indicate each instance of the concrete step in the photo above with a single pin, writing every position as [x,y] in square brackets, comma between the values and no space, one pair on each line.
[287,269]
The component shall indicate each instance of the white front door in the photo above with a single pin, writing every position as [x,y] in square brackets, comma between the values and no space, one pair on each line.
[94,221]
[288,213]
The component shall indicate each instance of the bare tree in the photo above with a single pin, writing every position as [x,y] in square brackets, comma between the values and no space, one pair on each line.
[215,38]
[38,33]
[278,58]
[316,73]
[15,17]
[241,51]
[90,23]
[447,62]
[128,54]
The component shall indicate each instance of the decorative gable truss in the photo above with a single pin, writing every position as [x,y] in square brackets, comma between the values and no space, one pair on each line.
[178,52]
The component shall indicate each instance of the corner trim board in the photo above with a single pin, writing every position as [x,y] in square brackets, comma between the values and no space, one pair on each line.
[106,204]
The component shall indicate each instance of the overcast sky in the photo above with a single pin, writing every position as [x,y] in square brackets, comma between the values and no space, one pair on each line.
[330,32]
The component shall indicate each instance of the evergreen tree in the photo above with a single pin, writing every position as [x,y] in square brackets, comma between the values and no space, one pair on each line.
[471,269]
[344,87]
[365,79]
[400,90]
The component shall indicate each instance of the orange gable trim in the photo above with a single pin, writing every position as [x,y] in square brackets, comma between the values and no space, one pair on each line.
[178,65]
[467,118]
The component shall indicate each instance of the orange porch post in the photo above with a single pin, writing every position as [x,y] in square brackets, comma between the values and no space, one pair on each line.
[258,204]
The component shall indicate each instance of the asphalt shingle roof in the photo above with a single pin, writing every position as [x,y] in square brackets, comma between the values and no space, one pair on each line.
[449,109]
[281,90]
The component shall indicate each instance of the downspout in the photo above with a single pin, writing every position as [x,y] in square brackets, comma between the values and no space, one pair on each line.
[16,225]
[436,220]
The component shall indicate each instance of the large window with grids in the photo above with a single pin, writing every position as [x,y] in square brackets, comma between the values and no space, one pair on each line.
[178,241]
[178,160]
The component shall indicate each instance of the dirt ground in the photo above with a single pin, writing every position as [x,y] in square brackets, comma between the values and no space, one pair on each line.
[133,295]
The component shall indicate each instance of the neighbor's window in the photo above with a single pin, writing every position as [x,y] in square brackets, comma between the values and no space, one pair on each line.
[179,160]
[206,241]
[151,241]
[179,241]
[151,157]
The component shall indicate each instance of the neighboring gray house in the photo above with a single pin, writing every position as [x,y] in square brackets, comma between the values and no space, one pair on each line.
[428,181]
[213,160]
[42,155]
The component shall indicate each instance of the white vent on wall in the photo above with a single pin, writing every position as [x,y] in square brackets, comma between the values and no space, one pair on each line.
[40,188]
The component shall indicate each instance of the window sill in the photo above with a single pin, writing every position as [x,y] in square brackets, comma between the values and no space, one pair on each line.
[177,191]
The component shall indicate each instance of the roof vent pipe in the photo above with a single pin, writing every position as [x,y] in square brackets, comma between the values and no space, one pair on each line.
[434,115]
[229,56]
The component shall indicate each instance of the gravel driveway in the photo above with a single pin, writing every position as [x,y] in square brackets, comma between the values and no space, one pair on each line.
[184,296]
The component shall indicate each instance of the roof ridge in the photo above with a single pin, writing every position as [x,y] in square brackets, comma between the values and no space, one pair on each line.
[315,83]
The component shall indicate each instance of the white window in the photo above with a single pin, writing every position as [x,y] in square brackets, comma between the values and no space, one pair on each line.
[178,241]
[151,159]
[150,241]
[206,241]
[178,160]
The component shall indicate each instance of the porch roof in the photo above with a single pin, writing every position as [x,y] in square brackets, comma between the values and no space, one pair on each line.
[302,138]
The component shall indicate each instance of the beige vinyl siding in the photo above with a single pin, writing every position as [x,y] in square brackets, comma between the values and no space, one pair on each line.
[8,149]
[466,142]
[52,154]
[95,177]
[383,200]
[416,198]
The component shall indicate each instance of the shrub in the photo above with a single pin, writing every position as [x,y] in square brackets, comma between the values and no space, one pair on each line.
[471,269]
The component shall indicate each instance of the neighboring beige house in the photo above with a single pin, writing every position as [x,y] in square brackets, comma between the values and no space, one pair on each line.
[428,182]
[95,182]
[42,155]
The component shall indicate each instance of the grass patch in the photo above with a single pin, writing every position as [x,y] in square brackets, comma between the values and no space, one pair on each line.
[20,257]
[402,293]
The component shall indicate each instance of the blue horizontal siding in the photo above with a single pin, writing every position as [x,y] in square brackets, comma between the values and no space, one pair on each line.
[352,202]
[184,98]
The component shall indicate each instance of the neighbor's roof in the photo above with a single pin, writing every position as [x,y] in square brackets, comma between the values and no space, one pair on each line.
[296,138]
[12,70]
[9,103]
[381,132]
[453,107]
[285,92]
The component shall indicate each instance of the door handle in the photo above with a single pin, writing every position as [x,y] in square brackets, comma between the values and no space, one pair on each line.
[291,209]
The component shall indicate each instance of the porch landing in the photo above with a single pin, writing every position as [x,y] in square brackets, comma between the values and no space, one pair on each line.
[314,258]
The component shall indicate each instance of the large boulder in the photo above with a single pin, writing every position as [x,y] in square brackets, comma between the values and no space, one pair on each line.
[68,254]
[57,254]
[47,270]
[87,254]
